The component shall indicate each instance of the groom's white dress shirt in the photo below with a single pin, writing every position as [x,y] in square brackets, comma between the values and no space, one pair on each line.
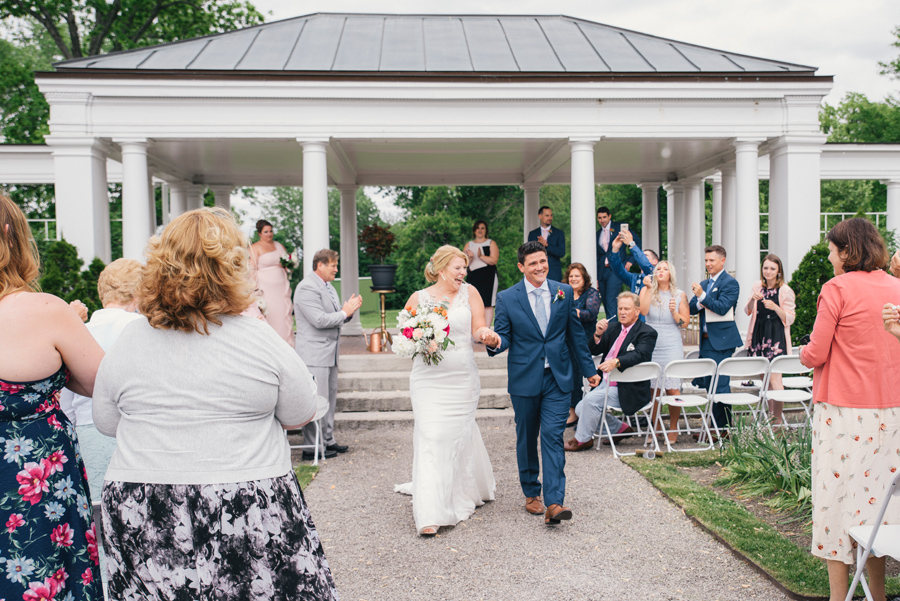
[545,298]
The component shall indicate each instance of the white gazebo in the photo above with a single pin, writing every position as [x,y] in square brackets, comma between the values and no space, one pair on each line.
[349,100]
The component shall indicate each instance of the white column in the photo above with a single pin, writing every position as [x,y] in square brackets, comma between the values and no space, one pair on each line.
[694,233]
[675,210]
[177,199]
[135,198]
[893,206]
[195,194]
[82,196]
[716,182]
[794,197]
[151,206]
[349,256]
[729,207]
[315,200]
[650,215]
[583,215]
[532,204]
[223,195]
[746,239]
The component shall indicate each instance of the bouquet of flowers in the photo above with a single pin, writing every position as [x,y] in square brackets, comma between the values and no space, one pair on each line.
[290,261]
[425,331]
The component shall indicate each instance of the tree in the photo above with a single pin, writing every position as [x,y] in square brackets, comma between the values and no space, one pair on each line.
[858,119]
[62,276]
[23,109]
[81,28]
[892,68]
[807,281]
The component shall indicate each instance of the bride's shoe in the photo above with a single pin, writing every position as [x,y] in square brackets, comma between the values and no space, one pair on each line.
[429,530]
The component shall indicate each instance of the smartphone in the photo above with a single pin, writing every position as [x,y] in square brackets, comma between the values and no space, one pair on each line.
[623,227]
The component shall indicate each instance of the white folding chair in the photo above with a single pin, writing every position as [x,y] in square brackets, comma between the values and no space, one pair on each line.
[687,387]
[687,369]
[321,410]
[788,364]
[636,373]
[751,385]
[694,354]
[881,540]
[741,367]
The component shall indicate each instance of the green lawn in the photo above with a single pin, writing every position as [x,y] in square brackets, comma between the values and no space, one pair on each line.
[372,319]
[305,473]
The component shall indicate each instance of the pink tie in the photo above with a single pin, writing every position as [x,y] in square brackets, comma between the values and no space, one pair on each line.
[614,351]
[604,239]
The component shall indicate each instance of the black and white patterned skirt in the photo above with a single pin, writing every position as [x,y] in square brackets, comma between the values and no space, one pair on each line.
[213,542]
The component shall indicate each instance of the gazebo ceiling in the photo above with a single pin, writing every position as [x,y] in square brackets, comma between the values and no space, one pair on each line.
[340,44]
[392,162]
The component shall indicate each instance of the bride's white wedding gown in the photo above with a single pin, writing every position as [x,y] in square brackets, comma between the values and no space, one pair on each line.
[451,472]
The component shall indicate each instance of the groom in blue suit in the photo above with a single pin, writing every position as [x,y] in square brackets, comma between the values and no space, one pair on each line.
[536,321]
[719,294]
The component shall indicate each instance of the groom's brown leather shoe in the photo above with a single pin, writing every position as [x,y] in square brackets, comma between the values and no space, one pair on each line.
[574,446]
[534,505]
[555,513]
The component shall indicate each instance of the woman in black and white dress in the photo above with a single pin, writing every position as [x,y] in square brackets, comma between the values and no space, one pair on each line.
[483,254]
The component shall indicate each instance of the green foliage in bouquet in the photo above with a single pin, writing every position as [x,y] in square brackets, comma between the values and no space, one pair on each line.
[378,242]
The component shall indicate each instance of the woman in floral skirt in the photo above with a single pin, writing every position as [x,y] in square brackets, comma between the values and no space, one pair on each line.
[49,546]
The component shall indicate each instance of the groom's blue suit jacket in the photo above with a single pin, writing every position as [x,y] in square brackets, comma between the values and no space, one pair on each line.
[519,332]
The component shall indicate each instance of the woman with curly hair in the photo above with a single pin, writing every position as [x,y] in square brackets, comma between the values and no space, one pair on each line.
[200,494]
[50,544]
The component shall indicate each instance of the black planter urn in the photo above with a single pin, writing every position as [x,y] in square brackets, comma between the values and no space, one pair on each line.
[382,276]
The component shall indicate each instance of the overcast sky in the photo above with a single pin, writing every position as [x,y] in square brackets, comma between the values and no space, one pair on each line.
[841,38]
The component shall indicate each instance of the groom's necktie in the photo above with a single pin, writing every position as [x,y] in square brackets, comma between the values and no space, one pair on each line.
[540,311]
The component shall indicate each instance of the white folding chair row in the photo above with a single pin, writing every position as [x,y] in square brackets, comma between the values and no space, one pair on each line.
[740,367]
[687,370]
[880,540]
[636,373]
[802,395]
[321,410]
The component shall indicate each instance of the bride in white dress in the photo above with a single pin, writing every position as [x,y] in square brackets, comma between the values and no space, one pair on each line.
[451,473]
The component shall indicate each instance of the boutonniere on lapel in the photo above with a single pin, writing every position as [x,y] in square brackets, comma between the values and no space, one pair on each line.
[560,295]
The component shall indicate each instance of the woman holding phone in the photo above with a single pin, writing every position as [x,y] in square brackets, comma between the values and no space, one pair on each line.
[483,254]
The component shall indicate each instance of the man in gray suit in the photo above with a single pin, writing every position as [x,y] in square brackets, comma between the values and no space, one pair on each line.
[319,317]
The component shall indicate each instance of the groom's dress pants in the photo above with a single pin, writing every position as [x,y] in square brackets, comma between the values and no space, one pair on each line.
[543,415]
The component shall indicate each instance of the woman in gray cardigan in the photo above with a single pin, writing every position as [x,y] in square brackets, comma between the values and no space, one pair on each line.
[200,495]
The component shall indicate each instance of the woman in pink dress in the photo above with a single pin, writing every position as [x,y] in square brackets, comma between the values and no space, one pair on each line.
[272,281]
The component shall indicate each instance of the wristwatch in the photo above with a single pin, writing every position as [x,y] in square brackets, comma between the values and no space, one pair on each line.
[618,363]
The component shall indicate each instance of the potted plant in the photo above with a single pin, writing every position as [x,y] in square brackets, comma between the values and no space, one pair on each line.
[378,242]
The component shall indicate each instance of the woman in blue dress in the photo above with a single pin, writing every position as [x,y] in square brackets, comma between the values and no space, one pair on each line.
[49,546]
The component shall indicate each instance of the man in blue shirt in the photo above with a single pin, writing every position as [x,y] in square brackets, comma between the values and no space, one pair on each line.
[645,259]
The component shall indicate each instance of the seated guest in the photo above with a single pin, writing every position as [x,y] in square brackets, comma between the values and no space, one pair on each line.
[587,307]
[646,260]
[200,498]
[623,344]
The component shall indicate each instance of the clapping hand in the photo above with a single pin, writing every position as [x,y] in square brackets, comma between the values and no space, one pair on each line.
[469,253]
[891,316]
[697,289]
[352,304]
[80,309]
[771,305]
[895,264]
[757,295]
[542,240]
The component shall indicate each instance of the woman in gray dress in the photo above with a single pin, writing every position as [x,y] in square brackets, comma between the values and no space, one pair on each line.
[666,310]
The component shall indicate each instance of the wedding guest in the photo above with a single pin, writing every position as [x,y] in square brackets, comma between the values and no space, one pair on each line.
[320,316]
[116,286]
[646,260]
[608,283]
[272,280]
[623,344]
[198,397]
[553,240]
[587,307]
[49,544]
[771,311]
[856,415]
[666,310]
[483,254]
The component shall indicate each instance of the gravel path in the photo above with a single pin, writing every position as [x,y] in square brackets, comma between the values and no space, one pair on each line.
[625,542]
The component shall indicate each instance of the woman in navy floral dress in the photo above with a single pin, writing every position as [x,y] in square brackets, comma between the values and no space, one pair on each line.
[48,545]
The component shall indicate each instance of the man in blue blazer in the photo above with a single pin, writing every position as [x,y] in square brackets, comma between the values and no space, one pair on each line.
[553,241]
[608,283]
[536,321]
[719,293]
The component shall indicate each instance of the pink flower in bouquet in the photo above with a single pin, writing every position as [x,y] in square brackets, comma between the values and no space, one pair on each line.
[408,332]
[447,329]
[432,346]
[418,333]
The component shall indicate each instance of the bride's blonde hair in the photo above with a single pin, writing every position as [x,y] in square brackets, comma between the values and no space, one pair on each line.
[440,259]
[654,284]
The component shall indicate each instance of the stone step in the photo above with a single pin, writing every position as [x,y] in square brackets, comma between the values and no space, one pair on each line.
[363,381]
[399,400]
[369,420]
[387,362]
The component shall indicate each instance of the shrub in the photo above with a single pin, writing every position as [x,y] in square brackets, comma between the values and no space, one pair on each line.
[61,274]
[377,241]
[812,273]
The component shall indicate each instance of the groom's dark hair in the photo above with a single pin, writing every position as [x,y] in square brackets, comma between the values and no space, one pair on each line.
[529,248]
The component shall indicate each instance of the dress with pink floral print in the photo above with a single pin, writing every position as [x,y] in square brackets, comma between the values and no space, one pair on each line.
[49,541]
